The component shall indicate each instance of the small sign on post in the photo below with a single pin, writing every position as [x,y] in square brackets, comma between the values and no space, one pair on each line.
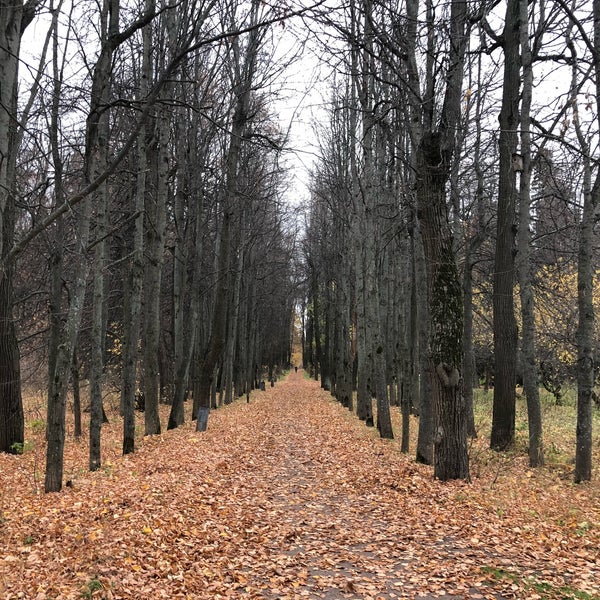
[203,413]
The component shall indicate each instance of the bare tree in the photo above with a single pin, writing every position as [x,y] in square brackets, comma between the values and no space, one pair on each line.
[14,16]
[505,326]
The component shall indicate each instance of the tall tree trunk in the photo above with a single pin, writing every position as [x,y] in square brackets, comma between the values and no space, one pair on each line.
[342,342]
[421,393]
[133,302]
[468,359]
[365,207]
[12,426]
[57,398]
[326,383]
[250,345]
[505,326]
[585,276]
[472,245]
[364,402]
[585,336]
[55,303]
[523,261]
[98,330]
[182,371]
[435,153]
[76,396]
[316,328]
[445,310]
[155,241]
[95,148]
[233,329]
[110,26]
[408,340]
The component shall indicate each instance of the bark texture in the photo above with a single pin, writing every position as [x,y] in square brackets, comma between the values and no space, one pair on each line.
[505,325]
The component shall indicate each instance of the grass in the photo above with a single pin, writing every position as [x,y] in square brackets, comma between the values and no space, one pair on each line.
[559,425]
[543,589]
[93,585]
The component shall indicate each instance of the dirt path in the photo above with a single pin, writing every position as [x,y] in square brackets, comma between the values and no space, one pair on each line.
[330,507]
[286,497]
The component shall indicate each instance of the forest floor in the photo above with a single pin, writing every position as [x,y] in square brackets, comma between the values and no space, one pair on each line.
[290,496]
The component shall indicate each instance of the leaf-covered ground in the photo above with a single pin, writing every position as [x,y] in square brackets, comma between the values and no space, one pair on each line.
[289,497]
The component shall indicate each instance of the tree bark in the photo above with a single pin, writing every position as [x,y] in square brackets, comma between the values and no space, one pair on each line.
[183,364]
[233,328]
[505,326]
[12,425]
[110,26]
[436,150]
[585,330]
[445,310]
[422,376]
[523,260]
[57,398]
[133,303]
[585,278]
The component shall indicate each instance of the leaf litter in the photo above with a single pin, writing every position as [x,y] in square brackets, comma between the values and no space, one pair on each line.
[289,497]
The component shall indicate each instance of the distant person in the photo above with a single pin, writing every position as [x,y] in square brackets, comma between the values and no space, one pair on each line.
[296,369]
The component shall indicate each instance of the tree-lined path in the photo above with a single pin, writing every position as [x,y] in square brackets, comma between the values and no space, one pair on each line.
[289,496]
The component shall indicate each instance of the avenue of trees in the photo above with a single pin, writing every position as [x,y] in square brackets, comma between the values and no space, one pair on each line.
[145,246]
[450,235]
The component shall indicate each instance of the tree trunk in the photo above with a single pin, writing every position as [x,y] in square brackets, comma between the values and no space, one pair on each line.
[445,310]
[182,370]
[435,153]
[12,434]
[98,331]
[57,398]
[204,383]
[421,375]
[523,261]
[585,330]
[98,161]
[364,402]
[468,361]
[342,343]
[472,245]
[585,278]
[55,303]
[505,326]
[408,340]
[76,396]
[318,356]
[12,425]
[133,302]
[155,242]
[233,329]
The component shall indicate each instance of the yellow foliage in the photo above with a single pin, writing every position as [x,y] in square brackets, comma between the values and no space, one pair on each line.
[556,312]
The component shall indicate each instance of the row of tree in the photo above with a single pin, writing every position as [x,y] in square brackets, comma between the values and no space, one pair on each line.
[144,242]
[459,148]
